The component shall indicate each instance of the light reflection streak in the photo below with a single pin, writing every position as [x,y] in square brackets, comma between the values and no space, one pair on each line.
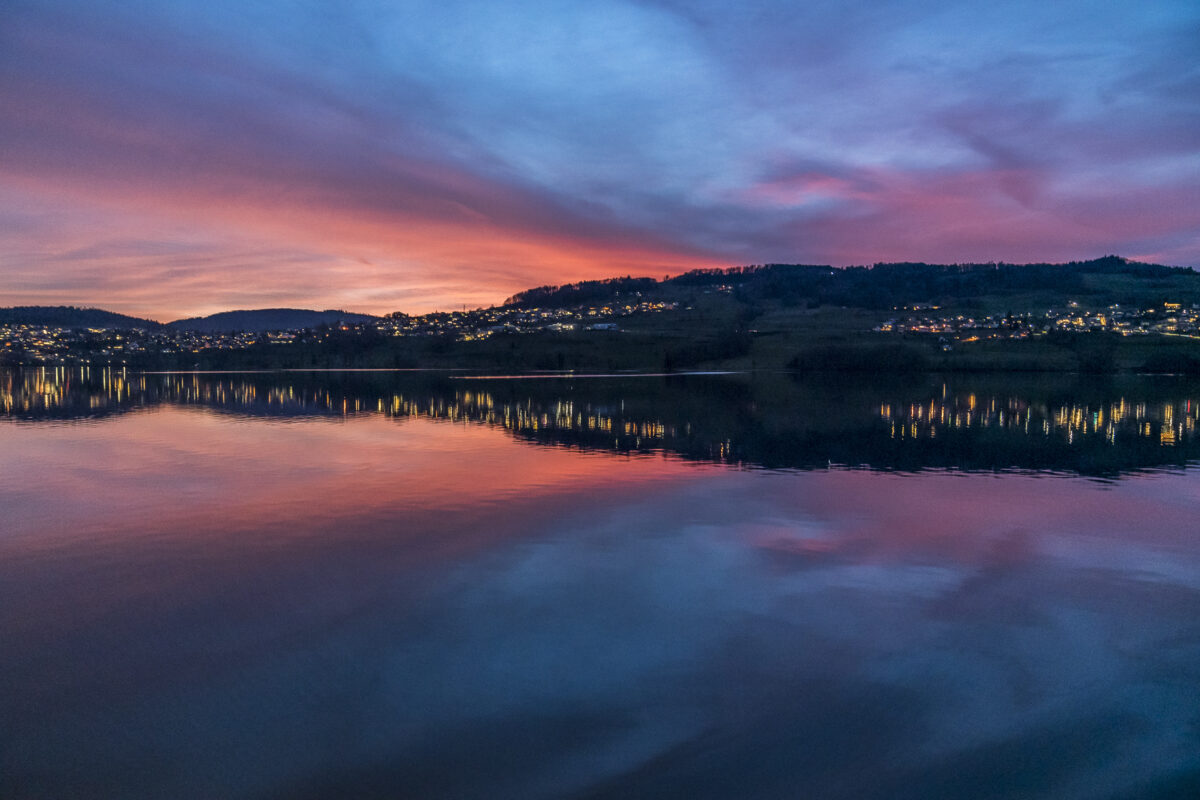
[565,413]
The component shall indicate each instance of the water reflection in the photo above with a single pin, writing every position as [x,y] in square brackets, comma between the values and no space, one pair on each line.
[366,586]
[774,421]
[1169,422]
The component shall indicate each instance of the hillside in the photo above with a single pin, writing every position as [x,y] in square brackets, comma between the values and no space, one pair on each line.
[267,319]
[1100,282]
[72,317]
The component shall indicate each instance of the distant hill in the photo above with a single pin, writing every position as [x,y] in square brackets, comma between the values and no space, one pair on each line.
[882,286]
[72,317]
[266,319]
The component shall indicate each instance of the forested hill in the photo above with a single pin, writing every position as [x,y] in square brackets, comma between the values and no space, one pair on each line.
[883,285]
[72,317]
[267,319]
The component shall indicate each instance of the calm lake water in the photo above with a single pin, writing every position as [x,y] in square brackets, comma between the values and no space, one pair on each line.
[425,585]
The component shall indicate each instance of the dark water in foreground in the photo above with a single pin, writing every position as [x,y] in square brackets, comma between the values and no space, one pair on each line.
[381,585]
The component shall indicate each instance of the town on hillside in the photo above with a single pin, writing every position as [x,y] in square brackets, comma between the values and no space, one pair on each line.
[1101,315]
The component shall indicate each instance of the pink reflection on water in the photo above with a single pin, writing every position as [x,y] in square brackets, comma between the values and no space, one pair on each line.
[177,467]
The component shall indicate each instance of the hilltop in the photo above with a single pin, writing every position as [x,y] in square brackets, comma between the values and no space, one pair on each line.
[253,321]
[72,317]
[267,319]
[884,286]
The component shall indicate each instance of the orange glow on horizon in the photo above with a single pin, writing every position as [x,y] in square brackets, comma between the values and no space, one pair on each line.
[296,248]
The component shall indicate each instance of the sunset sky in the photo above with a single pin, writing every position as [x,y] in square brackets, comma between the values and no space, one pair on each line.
[168,158]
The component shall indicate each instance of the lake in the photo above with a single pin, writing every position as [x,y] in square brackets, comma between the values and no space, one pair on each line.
[440,585]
